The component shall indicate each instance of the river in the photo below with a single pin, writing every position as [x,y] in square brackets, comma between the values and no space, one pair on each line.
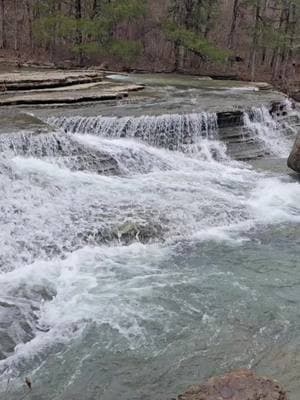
[178,263]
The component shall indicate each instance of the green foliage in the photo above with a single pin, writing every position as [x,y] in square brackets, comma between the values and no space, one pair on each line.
[205,13]
[96,32]
[46,28]
[127,50]
[195,43]
[124,10]
[198,16]
[90,48]
[272,38]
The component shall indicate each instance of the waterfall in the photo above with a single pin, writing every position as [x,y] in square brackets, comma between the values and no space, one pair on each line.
[171,131]
[272,133]
[99,219]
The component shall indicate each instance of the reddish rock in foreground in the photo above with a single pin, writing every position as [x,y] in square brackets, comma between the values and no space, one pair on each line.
[238,385]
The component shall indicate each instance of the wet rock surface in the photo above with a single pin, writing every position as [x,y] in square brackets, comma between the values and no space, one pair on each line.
[238,385]
[294,158]
[296,95]
[12,121]
[19,320]
[40,140]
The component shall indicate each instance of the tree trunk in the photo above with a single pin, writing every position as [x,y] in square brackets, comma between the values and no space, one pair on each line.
[78,40]
[276,54]
[264,50]
[235,13]
[252,62]
[16,27]
[179,57]
[208,19]
[288,68]
[293,32]
[286,30]
[2,26]
[30,18]
[94,9]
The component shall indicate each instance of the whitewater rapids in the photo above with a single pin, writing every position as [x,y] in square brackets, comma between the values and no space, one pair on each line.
[90,311]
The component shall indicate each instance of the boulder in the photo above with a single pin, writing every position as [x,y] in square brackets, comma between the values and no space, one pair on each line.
[294,158]
[296,95]
[280,108]
[238,385]
[131,231]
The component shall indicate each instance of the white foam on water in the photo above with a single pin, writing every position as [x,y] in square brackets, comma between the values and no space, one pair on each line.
[172,131]
[53,218]
[132,156]
[135,156]
[50,209]
[101,285]
[244,89]
[275,136]
[274,201]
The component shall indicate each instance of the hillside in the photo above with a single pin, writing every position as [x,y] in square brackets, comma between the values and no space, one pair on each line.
[248,39]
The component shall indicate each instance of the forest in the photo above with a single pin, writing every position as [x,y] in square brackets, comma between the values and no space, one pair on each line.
[249,39]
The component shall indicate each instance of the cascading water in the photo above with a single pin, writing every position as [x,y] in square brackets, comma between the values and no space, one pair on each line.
[169,131]
[273,133]
[154,268]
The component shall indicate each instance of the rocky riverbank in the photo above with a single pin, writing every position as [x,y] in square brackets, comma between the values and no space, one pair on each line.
[238,385]
[59,87]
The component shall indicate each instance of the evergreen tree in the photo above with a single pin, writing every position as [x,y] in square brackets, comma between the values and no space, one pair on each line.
[89,32]
[189,24]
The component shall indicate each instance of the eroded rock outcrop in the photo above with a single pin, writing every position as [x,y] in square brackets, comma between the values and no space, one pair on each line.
[238,385]
[294,158]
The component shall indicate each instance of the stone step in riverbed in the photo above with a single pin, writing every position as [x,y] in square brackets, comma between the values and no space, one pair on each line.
[12,121]
[28,80]
[70,96]
[28,136]
[245,152]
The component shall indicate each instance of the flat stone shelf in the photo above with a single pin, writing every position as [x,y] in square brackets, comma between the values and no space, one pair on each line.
[28,80]
[70,96]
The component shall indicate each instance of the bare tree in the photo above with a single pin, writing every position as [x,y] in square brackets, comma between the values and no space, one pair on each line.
[235,13]
[78,39]
[2,26]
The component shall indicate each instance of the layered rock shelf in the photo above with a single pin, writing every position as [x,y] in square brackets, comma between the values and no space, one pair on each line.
[68,96]
[28,80]
[59,87]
